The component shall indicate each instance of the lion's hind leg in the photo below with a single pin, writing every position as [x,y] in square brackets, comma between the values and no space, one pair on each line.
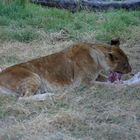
[20,80]
[29,86]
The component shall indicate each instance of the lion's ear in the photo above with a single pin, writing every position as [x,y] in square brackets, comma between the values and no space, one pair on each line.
[115,42]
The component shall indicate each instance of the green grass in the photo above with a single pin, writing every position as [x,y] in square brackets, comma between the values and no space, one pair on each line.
[22,23]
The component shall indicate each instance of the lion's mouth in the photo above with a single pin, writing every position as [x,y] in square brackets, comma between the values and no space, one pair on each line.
[114,76]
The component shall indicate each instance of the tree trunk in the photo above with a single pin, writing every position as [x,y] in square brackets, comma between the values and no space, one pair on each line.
[75,5]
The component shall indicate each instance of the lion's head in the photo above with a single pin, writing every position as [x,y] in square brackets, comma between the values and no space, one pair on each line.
[117,59]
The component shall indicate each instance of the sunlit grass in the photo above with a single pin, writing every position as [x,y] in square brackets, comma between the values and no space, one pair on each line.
[21,23]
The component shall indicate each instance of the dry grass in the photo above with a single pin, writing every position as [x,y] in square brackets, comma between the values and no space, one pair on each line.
[15,52]
[83,114]
[97,113]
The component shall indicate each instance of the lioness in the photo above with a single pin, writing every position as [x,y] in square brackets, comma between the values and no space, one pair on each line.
[80,63]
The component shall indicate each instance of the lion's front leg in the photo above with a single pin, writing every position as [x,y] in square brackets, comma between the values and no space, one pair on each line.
[101,77]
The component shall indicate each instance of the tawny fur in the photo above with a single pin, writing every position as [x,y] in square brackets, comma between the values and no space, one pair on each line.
[80,63]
